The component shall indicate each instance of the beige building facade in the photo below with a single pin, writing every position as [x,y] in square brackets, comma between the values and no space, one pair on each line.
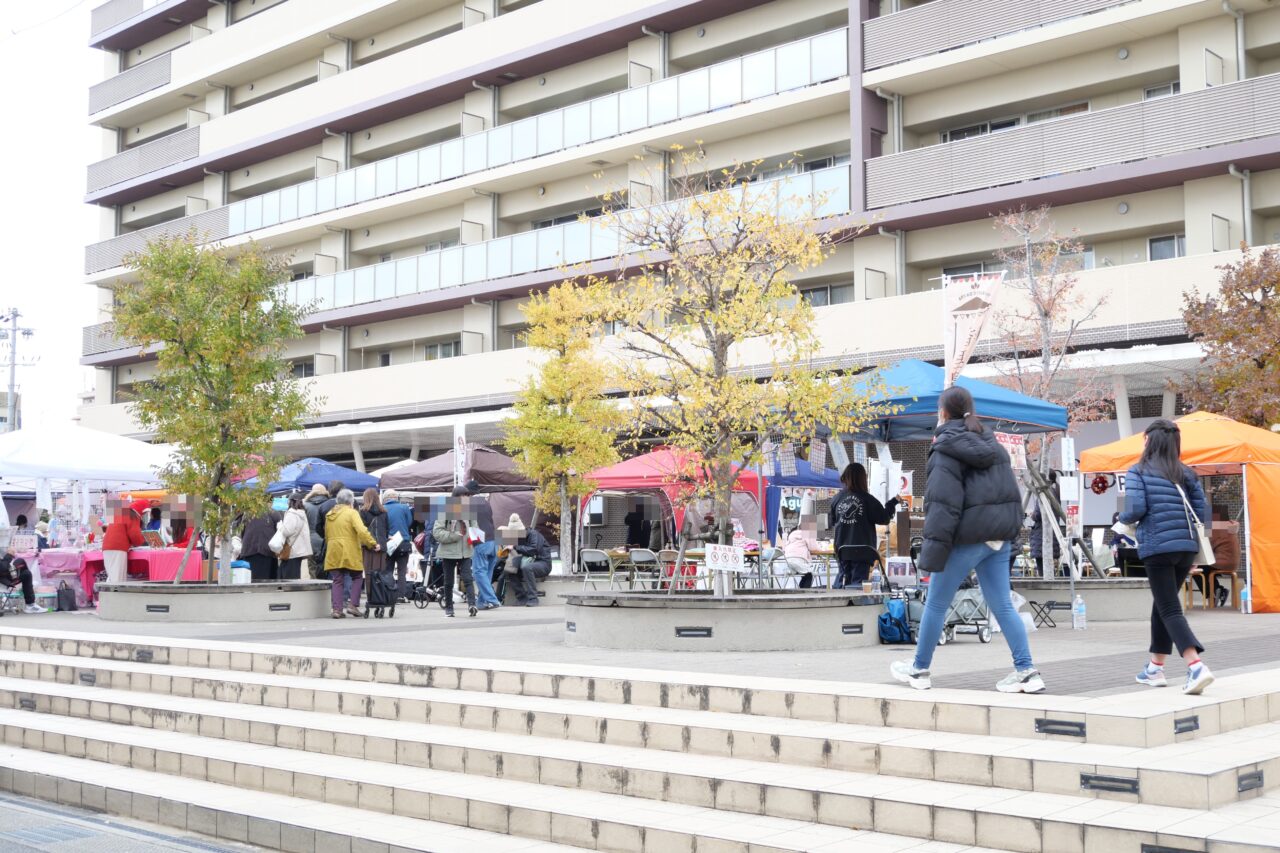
[424,164]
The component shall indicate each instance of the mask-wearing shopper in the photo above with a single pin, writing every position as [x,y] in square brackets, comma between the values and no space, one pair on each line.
[454,552]
[1161,495]
[972,510]
[531,560]
[345,534]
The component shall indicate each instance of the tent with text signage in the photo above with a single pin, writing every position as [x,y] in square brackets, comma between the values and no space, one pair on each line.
[1215,444]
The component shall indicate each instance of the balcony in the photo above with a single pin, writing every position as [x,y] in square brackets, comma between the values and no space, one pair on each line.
[129,164]
[949,24]
[149,75]
[1235,112]
[210,226]
[703,91]
[124,24]
[527,252]
[102,338]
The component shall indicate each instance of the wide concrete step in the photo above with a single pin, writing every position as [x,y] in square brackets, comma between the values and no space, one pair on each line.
[1130,720]
[270,821]
[1200,774]
[569,816]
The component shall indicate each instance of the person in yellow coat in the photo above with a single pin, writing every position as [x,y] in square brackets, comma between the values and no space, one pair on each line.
[344,534]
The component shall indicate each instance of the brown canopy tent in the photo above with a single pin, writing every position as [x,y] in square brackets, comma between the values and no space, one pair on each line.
[491,470]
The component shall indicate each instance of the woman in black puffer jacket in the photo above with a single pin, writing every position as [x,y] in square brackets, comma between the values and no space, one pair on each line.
[972,510]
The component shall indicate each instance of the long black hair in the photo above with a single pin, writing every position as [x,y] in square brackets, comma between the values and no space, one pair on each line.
[1162,454]
[957,404]
[854,477]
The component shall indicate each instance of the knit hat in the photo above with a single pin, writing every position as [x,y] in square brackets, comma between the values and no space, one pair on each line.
[515,525]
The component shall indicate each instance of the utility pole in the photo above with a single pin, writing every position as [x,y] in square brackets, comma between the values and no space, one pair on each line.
[13,332]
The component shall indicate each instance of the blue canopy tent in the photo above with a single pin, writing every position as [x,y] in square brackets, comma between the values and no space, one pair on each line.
[804,478]
[305,473]
[913,387]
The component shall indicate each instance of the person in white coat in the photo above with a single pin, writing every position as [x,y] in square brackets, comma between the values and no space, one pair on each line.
[296,532]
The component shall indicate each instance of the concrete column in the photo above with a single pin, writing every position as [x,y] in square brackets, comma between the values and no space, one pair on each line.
[415,449]
[1168,404]
[1122,405]
[358,453]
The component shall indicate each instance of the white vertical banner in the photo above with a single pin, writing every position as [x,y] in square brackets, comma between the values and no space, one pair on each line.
[459,453]
[967,301]
[839,456]
[817,455]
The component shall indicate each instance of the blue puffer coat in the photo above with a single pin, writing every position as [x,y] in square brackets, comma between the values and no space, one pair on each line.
[1153,503]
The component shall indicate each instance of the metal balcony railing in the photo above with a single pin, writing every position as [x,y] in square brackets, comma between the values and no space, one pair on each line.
[1193,120]
[948,24]
[135,162]
[101,337]
[210,225]
[143,77]
[115,12]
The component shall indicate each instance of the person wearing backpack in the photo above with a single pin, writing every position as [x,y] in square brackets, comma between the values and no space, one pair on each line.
[1160,497]
[972,510]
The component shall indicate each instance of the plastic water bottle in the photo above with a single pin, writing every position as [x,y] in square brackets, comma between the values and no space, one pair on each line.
[1078,621]
[1246,604]
[876,583]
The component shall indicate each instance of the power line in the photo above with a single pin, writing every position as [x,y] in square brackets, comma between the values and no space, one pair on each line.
[20,30]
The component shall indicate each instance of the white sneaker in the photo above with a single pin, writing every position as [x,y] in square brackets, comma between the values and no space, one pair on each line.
[1021,681]
[1198,678]
[906,672]
[33,608]
[1152,677]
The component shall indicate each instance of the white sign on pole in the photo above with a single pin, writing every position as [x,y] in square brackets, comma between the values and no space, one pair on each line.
[884,479]
[459,453]
[905,482]
[967,302]
[1016,445]
[1067,444]
[726,558]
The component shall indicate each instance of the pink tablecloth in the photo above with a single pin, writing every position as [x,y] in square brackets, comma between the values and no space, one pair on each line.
[155,564]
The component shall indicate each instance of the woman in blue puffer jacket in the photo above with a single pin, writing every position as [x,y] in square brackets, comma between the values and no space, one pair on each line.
[1160,496]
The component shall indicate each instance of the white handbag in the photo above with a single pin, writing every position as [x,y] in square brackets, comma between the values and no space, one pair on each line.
[276,542]
[1204,557]
[394,543]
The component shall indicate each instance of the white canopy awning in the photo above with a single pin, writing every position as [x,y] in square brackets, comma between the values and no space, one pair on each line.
[63,454]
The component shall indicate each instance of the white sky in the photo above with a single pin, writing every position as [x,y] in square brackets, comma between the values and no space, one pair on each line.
[47,67]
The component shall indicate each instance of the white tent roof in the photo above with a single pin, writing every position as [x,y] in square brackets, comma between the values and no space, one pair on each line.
[65,453]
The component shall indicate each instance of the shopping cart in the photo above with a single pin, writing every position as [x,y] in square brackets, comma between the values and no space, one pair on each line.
[967,613]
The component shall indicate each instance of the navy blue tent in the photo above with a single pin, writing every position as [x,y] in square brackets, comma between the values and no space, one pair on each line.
[913,387]
[305,473]
[803,478]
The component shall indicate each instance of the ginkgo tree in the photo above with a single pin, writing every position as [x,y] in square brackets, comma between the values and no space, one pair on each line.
[562,428]
[218,324]
[715,347]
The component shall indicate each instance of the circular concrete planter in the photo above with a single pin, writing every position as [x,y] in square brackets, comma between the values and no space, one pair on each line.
[698,622]
[200,602]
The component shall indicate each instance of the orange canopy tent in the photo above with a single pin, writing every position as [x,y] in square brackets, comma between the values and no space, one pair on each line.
[1215,444]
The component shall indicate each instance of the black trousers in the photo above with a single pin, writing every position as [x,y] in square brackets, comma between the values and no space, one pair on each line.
[1166,574]
[28,588]
[460,567]
[291,569]
[400,562]
[529,573]
[853,573]
[263,567]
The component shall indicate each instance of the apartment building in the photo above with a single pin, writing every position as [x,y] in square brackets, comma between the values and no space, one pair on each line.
[424,163]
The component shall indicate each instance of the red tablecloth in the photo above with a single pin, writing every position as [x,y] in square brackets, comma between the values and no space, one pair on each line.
[155,564]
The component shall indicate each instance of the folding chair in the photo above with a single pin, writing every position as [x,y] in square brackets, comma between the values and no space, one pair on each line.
[589,557]
[644,563]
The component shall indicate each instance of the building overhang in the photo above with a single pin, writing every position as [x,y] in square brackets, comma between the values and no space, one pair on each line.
[163,18]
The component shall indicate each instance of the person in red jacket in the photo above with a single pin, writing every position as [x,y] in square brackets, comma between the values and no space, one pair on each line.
[123,533]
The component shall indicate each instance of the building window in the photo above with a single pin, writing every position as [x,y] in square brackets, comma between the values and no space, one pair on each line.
[441,245]
[981,129]
[609,327]
[1058,112]
[303,369]
[568,217]
[828,294]
[1163,91]
[384,358]
[444,349]
[1165,247]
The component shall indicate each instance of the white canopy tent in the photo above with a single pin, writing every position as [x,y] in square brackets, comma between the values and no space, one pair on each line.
[63,458]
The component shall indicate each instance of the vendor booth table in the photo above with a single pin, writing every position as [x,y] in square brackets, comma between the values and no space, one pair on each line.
[83,567]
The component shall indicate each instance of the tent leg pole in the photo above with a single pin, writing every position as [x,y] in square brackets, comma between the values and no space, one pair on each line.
[1248,536]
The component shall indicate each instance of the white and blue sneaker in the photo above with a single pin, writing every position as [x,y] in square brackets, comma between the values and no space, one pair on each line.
[1152,676]
[907,673]
[1198,678]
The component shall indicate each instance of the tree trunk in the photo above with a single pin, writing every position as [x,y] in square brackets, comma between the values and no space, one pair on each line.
[191,541]
[224,558]
[568,557]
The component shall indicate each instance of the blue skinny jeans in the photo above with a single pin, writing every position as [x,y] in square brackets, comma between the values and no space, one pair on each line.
[993,578]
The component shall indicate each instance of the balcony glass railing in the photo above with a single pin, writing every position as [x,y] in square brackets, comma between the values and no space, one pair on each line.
[790,66]
[533,251]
